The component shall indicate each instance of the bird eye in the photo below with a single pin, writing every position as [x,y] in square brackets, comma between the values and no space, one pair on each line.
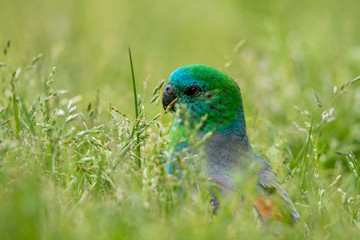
[192,90]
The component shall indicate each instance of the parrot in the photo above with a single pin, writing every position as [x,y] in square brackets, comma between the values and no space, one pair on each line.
[213,98]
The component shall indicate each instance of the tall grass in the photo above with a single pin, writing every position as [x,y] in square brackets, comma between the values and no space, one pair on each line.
[72,173]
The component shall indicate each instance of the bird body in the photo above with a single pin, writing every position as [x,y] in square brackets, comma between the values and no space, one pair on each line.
[212,98]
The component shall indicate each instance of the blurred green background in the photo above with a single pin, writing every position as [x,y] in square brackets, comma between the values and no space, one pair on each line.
[307,45]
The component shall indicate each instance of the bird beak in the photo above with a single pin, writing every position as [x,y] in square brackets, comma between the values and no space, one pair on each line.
[169,98]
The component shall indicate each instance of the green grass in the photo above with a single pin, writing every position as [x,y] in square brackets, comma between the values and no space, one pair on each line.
[77,163]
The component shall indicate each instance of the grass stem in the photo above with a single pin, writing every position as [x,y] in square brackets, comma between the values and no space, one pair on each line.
[138,162]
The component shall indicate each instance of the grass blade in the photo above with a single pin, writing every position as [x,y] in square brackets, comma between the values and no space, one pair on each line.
[138,162]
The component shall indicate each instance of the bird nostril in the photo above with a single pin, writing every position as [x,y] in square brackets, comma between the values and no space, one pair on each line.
[168,89]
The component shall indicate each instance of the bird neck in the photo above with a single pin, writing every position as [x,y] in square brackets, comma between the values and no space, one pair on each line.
[236,131]
[237,127]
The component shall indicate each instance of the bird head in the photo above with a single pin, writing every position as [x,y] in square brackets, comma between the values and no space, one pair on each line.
[204,91]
